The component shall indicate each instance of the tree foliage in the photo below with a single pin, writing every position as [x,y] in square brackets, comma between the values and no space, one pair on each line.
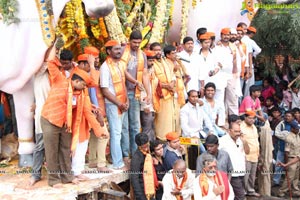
[278,33]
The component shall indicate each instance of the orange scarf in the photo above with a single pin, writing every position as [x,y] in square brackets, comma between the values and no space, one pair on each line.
[155,98]
[140,67]
[118,79]
[149,175]
[164,75]
[220,179]
[179,187]
[69,108]
[179,82]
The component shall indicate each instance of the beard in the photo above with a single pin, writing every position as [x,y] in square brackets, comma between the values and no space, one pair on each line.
[233,39]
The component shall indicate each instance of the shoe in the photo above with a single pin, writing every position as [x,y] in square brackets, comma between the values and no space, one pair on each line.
[281,194]
[92,165]
[296,193]
[104,170]
[253,194]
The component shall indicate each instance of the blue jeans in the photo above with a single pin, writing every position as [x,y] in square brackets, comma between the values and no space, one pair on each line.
[132,124]
[278,170]
[217,131]
[115,126]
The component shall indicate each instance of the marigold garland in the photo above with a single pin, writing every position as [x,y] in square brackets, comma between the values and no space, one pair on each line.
[103,27]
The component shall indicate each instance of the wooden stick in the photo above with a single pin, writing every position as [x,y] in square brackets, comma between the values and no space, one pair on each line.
[293,81]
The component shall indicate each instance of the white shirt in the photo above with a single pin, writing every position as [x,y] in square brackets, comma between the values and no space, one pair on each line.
[169,186]
[210,194]
[192,69]
[106,79]
[213,112]
[41,87]
[197,46]
[206,64]
[236,153]
[192,119]
[252,47]
[224,55]
[296,100]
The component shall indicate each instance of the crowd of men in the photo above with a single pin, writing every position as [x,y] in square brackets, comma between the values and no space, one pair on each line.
[204,89]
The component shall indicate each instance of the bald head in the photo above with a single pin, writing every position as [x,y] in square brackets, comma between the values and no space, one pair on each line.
[179,164]
[179,168]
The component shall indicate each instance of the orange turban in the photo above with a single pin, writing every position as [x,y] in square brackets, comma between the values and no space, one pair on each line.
[239,29]
[172,136]
[84,75]
[225,31]
[211,34]
[82,57]
[252,29]
[91,50]
[111,43]
[205,36]
[150,54]
[250,113]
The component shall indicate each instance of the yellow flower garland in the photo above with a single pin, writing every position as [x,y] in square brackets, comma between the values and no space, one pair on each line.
[184,18]
[79,19]
[158,27]
[113,25]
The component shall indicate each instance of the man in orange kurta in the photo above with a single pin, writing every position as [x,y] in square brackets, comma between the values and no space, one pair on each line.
[57,121]
[97,146]
[80,139]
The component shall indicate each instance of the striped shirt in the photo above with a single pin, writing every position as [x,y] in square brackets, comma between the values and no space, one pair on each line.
[55,107]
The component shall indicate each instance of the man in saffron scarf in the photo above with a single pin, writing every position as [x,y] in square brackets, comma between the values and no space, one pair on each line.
[143,176]
[58,121]
[212,184]
[178,182]
[165,116]
[112,83]
[136,65]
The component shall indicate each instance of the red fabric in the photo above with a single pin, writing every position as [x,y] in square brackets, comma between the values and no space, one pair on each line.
[267,92]
[222,179]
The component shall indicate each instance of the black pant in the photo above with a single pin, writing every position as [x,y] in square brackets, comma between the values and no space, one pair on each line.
[237,184]
[193,152]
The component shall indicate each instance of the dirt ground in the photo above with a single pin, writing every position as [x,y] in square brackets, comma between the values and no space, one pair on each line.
[14,185]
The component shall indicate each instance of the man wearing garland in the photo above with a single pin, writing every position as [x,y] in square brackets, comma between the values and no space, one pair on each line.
[164,119]
[136,65]
[97,146]
[112,83]
[178,182]
[211,183]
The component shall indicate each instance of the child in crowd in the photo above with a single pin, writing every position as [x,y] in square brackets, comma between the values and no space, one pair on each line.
[268,89]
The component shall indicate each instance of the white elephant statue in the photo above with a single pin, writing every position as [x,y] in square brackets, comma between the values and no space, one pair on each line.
[22,51]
